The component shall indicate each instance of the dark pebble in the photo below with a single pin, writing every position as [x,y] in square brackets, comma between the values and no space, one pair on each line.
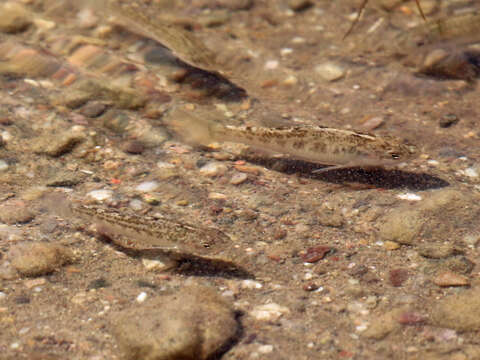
[299,5]
[448,120]
[310,287]
[398,277]
[411,318]
[358,271]
[98,284]
[93,109]
[134,147]
[22,299]
[316,253]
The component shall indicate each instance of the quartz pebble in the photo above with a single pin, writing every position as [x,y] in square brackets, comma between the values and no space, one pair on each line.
[147,186]
[330,71]
[3,165]
[269,312]
[101,195]
[213,169]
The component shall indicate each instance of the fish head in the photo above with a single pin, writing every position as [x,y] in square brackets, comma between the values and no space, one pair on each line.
[390,150]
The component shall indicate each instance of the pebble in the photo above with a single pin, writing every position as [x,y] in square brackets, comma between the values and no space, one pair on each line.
[214,18]
[248,169]
[373,123]
[64,178]
[269,312]
[315,253]
[159,264]
[250,284]
[31,283]
[238,178]
[291,80]
[299,5]
[383,325]
[391,245]
[329,217]
[411,318]
[271,64]
[265,349]
[217,196]
[436,251]
[398,276]
[141,297]
[134,147]
[449,278]
[14,18]
[93,109]
[3,165]
[101,195]
[87,89]
[460,312]
[39,258]
[147,186]
[471,172]
[193,323]
[56,145]
[330,71]
[15,212]
[409,197]
[213,169]
[236,4]
[448,120]
[430,218]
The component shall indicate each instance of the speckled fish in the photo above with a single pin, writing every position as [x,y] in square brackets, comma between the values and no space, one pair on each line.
[172,237]
[321,145]
[138,18]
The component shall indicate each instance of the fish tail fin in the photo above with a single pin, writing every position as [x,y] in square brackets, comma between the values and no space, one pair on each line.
[193,127]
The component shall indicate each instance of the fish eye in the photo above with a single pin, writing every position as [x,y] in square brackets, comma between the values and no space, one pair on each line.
[395,155]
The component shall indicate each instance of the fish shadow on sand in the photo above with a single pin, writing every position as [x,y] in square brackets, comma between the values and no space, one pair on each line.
[188,264]
[374,177]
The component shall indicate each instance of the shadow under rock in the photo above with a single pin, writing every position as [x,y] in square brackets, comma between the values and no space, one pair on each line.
[234,340]
[376,177]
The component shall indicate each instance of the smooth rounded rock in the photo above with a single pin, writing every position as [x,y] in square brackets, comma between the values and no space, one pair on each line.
[460,312]
[35,259]
[330,71]
[436,218]
[14,18]
[15,212]
[194,323]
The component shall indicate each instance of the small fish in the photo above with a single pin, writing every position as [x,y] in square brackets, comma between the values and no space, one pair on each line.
[451,30]
[321,145]
[138,18]
[130,231]
[362,8]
